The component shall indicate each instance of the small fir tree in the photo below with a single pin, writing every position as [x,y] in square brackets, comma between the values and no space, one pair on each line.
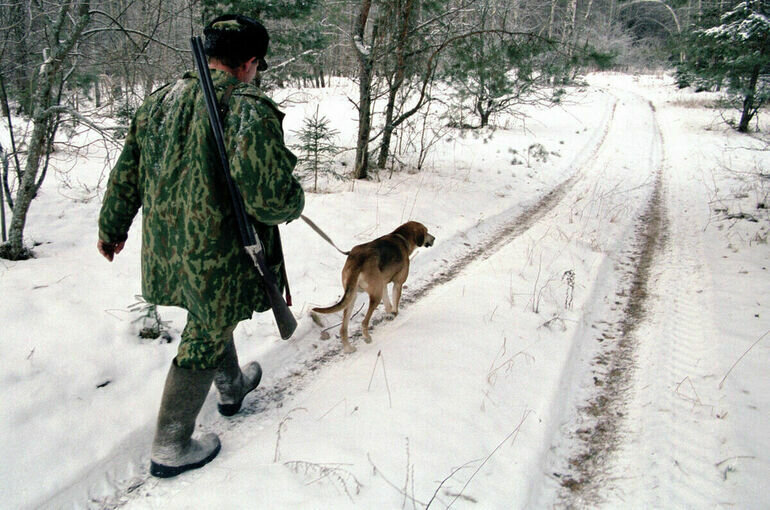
[317,149]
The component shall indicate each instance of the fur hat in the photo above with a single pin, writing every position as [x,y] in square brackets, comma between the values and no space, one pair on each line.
[234,39]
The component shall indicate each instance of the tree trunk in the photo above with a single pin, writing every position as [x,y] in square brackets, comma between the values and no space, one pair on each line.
[748,102]
[26,192]
[387,132]
[4,176]
[4,166]
[50,72]
[404,26]
[569,27]
[364,120]
[610,17]
[485,119]
[365,68]
[484,111]
[551,18]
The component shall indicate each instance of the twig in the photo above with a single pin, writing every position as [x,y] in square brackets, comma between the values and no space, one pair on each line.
[739,359]
[445,480]
[733,458]
[397,488]
[332,409]
[513,433]
[281,425]
[338,476]
[385,373]
[535,295]
[339,323]
[695,400]
[406,481]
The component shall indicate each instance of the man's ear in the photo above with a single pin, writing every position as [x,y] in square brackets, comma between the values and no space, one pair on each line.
[245,65]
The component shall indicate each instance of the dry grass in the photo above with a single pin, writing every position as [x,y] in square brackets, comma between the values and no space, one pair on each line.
[708,102]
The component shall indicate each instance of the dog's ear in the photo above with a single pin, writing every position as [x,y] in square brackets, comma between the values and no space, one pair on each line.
[420,238]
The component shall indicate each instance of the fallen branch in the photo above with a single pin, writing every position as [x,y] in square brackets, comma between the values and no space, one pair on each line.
[742,355]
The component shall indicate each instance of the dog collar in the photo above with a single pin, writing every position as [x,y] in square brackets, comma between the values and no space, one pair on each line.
[402,237]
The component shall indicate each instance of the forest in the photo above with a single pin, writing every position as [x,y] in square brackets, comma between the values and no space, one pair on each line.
[66,66]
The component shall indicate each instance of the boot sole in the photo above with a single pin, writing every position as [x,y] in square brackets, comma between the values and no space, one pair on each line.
[161,471]
[231,409]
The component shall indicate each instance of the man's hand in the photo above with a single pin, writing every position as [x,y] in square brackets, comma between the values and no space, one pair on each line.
[109,250]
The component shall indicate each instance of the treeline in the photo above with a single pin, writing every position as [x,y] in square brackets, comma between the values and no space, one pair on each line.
[70,63]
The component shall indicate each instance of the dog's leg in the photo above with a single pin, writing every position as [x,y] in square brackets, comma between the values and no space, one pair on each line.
[396,296]
[386,299]
[374,300]
[344,328]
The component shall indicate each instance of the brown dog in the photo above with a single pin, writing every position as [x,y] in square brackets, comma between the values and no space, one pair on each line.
[370,267]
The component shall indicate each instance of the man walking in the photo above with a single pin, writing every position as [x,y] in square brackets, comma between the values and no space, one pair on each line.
[191,253]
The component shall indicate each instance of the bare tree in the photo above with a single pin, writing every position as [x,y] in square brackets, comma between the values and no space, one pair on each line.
[365,52]
[66,28]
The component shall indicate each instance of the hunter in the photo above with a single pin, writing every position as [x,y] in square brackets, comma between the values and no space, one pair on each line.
[191,254]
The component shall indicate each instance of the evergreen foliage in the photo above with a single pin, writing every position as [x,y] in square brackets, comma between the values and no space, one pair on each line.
[317,149]
[733,52]
[297,38]
[491,73]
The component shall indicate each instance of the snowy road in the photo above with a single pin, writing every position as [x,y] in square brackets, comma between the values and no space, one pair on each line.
[593,224]
[560,352]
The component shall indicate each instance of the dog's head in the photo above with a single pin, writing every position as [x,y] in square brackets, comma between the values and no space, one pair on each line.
[417,232]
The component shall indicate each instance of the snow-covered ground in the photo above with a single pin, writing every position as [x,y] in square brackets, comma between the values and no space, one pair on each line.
[491,389]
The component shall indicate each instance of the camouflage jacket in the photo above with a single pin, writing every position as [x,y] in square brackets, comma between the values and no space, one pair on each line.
[191,252]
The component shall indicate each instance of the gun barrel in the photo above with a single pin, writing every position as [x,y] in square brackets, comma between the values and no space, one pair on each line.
[285,320]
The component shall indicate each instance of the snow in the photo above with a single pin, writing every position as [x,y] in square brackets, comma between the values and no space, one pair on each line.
[472,397]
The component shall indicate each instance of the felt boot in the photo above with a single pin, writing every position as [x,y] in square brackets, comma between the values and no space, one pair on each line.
[234,383]
[174,451]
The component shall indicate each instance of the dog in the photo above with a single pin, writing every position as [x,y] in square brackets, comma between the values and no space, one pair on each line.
[370,267]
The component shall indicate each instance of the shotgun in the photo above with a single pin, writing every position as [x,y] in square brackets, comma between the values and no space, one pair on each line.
[251,244]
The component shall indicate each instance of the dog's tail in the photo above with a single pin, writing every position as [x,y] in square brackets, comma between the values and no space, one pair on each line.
[350,294]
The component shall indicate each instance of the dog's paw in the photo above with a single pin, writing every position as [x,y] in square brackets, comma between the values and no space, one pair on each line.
[348,349]
[390,316]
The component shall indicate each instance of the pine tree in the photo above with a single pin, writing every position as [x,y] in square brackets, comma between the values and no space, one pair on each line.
[734,52]
[492,73]
[316,148]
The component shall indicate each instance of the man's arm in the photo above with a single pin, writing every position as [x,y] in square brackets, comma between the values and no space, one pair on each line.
[122,199]
[262,165]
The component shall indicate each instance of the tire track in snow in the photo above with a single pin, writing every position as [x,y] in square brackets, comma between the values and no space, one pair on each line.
[595,444]
[668,458]
[478,242]
[505,227]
